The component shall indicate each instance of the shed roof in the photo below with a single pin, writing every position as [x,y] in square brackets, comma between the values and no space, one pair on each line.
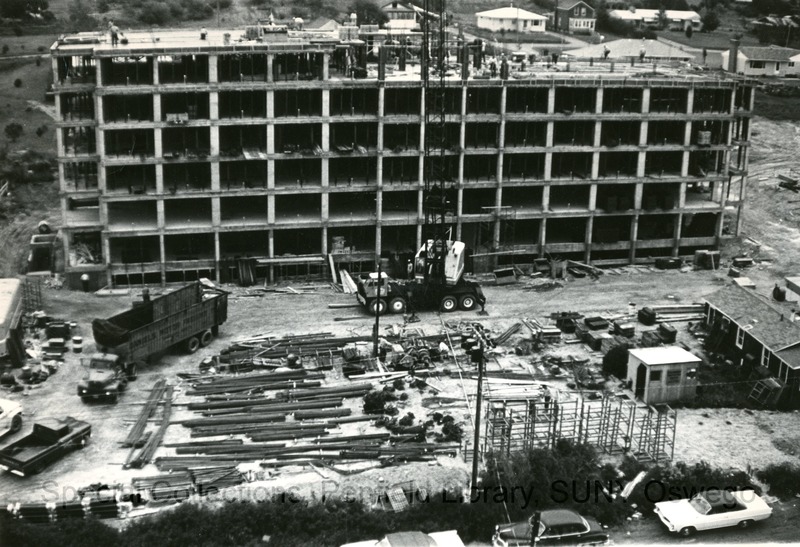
[770,53]
[642,14]
[663,355]
[510,13]
[768,323]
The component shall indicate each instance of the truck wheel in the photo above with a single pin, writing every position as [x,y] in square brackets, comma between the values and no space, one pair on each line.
[466,302]
[449,303]
[16,423]
[686,532]
[192,344]
[123,384]
[745,524]
[397,305]
[377,306]
[206,338]
[133,372]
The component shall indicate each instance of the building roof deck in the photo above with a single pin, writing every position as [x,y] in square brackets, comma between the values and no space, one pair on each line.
[188,42]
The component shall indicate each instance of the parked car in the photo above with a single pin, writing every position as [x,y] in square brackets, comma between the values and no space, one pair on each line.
[450,538]
[556,527]
[713,509]
[10,417]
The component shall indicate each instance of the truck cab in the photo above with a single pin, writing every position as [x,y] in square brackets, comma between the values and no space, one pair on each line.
[10,417]
[392,294]
[106,378]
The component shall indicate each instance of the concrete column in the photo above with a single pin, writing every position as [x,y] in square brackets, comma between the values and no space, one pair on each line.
[685,164]
[459,209]
[687,134]
[213,69]
[634,237]
[60,141]
[718,227]
[214,140]
[545,199]
[587,254]
[162,254]
[217,253]
[271,253]
[270,138]
[640,165]
[98,67]
[216,183]
[690,100]
[599,101]
[637,196]
[496,235]
[676,233]
[213,105]
[325,206]
[270,76]
[551,100]
[595,165]
[270,104]
[161,220]
[325,137]
[598,131]
[216,213]
[325,173]
[271,174]
[592,197]
[643,129]
[159,179]
[270,216]
[326,59]
[106,256]
[157,107]
[542,236]
[378,217]
[646,100]
[156,79]
[548,166]
[548,140]
[62,181]
[324,240]
[326,103]
[54,68]
[158,146]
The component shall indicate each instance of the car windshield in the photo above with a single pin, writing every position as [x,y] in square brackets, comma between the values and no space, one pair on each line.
[700,505]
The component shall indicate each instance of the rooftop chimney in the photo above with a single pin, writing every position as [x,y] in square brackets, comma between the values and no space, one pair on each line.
[734,54]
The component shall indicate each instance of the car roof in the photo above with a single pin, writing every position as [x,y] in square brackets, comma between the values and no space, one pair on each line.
[557,517]
[409,539]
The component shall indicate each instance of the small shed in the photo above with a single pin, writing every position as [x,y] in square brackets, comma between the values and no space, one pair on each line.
[662,374]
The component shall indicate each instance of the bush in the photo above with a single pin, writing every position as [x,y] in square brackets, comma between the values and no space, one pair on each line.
[616,362]
[5,49]
[18,83]
[103,6]
[375,401]
[689,31]
[197,9]
[710,21]
[13,131]
[783,479]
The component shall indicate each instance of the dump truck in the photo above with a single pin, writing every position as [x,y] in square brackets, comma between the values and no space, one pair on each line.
[106,377]
[48,442]
[189,316]
[446,291]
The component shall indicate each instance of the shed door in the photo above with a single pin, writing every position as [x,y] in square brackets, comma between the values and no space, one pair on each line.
[641,381]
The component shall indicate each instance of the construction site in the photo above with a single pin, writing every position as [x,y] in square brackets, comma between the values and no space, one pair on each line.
[357,265]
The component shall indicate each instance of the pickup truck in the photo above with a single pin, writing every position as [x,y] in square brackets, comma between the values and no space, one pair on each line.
[10,417]
[49,441]
[105,378]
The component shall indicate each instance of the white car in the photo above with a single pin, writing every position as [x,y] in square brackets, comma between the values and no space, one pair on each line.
[10,417]
[449,538]
[713,509]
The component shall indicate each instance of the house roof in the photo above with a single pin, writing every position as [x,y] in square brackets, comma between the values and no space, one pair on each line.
[663,356]
[321,22]
[769,53]
[768,323]
[641,14]
[511,13]
[629,47]
[569,7]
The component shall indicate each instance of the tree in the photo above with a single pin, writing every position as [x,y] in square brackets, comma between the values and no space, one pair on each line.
[368,13]
[689,31]
[79,17]
[19,9]
[13,131]
[616,362]
[710,21]
[154,13]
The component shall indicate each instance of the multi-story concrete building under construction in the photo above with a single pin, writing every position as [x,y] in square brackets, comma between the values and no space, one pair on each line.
[282,153]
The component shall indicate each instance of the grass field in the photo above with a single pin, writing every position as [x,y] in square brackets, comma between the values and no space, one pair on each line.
[718,39]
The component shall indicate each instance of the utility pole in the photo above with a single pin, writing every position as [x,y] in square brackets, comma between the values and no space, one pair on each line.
[475,447]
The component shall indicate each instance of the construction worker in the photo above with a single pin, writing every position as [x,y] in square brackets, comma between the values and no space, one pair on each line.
[535,522]
[114,30]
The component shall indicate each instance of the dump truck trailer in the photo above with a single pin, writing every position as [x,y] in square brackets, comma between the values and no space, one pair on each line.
[49,441]
[189,316]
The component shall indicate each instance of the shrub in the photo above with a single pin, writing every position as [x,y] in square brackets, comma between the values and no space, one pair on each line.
[13,131]
[710,21]
[103,6]
[783,479]
[5,49]
[154,13]
[18,82]
[40,49]
[689,31]
[197,9]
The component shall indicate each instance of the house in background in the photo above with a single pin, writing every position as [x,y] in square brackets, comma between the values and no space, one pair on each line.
[762,61]
[761,336]
[511,19]
[662,374]
[578,18]
[323,24]
[651,18]
[401,16]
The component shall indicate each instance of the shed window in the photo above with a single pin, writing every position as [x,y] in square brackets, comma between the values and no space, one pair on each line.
[765,355]
[655,375]
[674,377]
[757,64]
[740,338]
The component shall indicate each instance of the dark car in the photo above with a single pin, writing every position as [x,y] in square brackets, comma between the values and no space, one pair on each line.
[556,527]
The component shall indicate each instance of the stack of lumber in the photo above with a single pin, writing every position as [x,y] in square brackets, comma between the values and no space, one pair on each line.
[667,313]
